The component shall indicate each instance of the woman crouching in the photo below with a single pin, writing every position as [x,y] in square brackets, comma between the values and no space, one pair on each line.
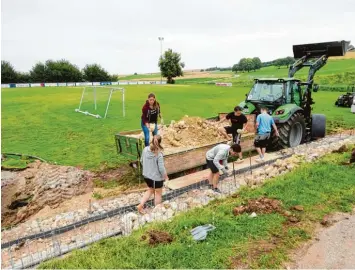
[154,172]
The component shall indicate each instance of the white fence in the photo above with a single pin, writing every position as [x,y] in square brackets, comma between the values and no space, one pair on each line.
[17,85]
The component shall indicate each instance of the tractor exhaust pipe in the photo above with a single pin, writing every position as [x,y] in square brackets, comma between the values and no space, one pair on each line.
[312,50]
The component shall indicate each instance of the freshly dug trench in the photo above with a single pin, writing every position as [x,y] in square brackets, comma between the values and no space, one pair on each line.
[38,186]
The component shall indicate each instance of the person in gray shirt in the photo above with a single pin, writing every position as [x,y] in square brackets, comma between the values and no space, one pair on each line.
[154,172]
[217,155]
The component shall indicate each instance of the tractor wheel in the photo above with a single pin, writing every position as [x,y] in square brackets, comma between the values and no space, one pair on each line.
[318,126]
[292,133]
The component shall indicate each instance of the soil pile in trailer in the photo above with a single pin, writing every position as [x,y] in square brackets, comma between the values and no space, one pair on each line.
[189,132]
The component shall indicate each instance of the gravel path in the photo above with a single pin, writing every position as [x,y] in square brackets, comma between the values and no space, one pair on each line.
[333,248]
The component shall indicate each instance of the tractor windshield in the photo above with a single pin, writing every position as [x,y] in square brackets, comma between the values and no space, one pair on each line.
[266,91]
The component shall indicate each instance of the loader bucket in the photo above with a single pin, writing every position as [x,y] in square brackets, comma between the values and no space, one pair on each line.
[333,48]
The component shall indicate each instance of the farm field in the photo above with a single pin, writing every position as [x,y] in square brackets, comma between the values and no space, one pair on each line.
[42,121]
[333,66]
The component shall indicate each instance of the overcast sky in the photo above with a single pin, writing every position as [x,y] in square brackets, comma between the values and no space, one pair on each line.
[122,36]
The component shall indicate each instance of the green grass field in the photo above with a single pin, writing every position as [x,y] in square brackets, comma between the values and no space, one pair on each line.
[139,76]
[261,242]
[42,121]
[333,67]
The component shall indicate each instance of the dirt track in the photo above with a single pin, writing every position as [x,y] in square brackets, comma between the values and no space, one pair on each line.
[333,247]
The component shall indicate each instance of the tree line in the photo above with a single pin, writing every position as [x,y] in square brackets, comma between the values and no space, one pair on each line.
[250,64]
[55,71]
[286,61]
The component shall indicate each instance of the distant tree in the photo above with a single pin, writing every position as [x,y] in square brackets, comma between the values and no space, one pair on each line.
[62,71]
[135,73]
[8,73]
[38,73]
[236,68]
[24,77]
[56,71]
[289,61]
[95,73]
[114,78]
[247,64]
[278,62]
[170,65]
[256,63]
[286,61]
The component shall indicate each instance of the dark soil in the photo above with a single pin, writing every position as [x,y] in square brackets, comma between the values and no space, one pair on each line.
[262,206]
[158,237]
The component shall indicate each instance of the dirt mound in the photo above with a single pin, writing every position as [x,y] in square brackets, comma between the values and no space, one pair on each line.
[352,158]
[38,186]
[262,206]
[158,237]
[187,133]
[341,149]
[190,131]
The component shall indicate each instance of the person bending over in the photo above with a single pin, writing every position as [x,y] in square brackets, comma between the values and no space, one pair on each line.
[217,154]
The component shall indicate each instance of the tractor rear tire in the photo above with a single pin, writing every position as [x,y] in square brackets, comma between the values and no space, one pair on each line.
[318,126]
[292,132]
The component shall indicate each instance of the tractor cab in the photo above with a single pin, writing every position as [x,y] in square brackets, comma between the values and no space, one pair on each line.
[273,93]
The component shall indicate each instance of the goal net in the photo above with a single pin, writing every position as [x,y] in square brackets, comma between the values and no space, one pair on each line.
[96,101]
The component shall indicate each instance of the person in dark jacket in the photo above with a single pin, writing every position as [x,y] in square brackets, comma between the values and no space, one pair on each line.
[149,120]
[154,172]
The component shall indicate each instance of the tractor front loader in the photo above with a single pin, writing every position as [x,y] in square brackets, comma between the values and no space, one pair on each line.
[289,100]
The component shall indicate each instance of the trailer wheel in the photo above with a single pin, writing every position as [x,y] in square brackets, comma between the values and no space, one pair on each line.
[318,126]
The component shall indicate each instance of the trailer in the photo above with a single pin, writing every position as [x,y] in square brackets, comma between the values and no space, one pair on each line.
[185,160]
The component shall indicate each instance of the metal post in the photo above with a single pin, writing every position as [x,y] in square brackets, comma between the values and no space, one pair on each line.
[123,105]
[82,96]
[95,98]
[161,55]
[108,103]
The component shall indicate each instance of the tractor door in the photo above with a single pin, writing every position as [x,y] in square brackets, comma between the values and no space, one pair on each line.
[297,94]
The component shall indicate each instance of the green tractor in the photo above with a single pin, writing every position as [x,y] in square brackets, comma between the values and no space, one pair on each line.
[289,100]
[346,100]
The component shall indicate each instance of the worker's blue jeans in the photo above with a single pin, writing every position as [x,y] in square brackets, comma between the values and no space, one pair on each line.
[147,132]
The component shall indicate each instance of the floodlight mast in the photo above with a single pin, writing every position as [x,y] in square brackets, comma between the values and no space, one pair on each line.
[161,39]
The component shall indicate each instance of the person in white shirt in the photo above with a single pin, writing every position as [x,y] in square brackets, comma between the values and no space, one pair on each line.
[217,155]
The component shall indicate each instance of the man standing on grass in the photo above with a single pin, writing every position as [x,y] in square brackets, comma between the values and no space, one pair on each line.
[264,122]
[217,155]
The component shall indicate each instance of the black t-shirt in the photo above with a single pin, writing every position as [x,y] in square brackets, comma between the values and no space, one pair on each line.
[237,121]
[153,115]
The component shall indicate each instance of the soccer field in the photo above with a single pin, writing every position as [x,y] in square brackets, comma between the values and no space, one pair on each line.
[42,121]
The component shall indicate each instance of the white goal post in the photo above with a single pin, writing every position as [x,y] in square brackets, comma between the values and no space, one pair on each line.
[95,88]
